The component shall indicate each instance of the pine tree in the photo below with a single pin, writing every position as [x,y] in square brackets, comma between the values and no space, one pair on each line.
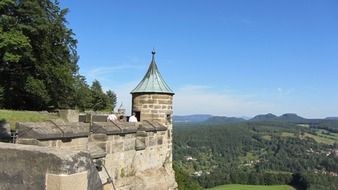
[1,97]
[83,98]
[38,58]
[111,99]
[99,99]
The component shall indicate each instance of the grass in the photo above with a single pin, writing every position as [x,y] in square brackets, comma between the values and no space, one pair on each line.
[287,134]
[252,187]
[320,139]
[327,134]
[267,137]
[303,125]
[12,117]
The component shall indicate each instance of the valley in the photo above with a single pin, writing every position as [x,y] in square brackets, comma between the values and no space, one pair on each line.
[270,152]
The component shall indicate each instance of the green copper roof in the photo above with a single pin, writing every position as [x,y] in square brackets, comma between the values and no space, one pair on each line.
[152,82]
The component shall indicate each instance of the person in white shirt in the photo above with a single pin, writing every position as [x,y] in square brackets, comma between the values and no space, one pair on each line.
[111,117]
[133,118]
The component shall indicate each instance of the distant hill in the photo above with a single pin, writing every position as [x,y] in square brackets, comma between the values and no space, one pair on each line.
[331,118]
[223,119]
[191,118]
[264,117]
[289,117]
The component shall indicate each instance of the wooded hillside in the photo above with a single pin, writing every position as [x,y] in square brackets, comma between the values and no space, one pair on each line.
[258,153]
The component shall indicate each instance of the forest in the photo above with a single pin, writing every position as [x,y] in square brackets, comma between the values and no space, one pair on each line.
[258,152]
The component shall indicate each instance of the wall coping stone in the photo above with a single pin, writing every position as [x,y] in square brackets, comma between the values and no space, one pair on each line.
[52,130]
[64,130]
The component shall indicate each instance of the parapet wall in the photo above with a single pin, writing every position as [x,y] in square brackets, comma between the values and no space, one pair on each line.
[142,157]
[132,155]
[28,167]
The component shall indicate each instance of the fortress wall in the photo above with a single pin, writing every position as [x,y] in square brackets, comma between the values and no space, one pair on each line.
[29,167]
[70,143]
[125,160]
[135,161]
[136,155]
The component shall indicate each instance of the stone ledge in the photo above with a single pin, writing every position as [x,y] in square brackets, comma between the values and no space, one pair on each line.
[76,181]
[52,130]
[120,128]
[26,166]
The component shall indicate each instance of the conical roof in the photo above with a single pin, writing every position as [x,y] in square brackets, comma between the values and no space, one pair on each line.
[152,82]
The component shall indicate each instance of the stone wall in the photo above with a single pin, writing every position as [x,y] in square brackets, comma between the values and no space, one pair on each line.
[27,167]
[139,161]
[133,155]
[154,107]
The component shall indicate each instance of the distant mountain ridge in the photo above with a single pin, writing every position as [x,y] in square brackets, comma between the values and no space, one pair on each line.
[191,118]
[208,118]
[331,118]
[223,119]
[289,117]
[264,117]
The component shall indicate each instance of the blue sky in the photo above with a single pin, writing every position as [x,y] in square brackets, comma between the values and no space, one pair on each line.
[223,57]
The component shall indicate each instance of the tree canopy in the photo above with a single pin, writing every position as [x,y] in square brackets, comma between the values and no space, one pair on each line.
[38,59]
[265,153]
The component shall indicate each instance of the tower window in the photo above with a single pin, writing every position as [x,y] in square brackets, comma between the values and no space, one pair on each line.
[169,118]
[138,115]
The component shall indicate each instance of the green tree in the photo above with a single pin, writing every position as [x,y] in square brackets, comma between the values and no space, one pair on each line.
[83,98]
[111,99]
[99,98]
[38,58]
[184,181]
[1,97]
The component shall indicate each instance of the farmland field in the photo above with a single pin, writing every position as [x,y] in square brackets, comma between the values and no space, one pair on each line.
[252,187]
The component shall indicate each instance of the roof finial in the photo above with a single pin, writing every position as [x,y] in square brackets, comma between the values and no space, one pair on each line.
[153,56]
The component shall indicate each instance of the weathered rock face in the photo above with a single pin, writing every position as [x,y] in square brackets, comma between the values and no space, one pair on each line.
[28,167]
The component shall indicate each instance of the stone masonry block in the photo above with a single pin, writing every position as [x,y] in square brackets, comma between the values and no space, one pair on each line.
[140,143]
[99,137]
[129,144]
[152,141]
[159,140]
[76,181]
[27,141]
[117,147]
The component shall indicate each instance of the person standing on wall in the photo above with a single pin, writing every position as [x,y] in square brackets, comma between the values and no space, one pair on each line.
[133,118]
[111,117]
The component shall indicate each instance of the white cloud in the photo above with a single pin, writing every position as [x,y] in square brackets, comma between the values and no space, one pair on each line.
[283,91]
[192,99]
[94,73]
[123,94]
[199,99]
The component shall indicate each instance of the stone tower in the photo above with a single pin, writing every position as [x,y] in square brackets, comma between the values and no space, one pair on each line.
[152,98]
